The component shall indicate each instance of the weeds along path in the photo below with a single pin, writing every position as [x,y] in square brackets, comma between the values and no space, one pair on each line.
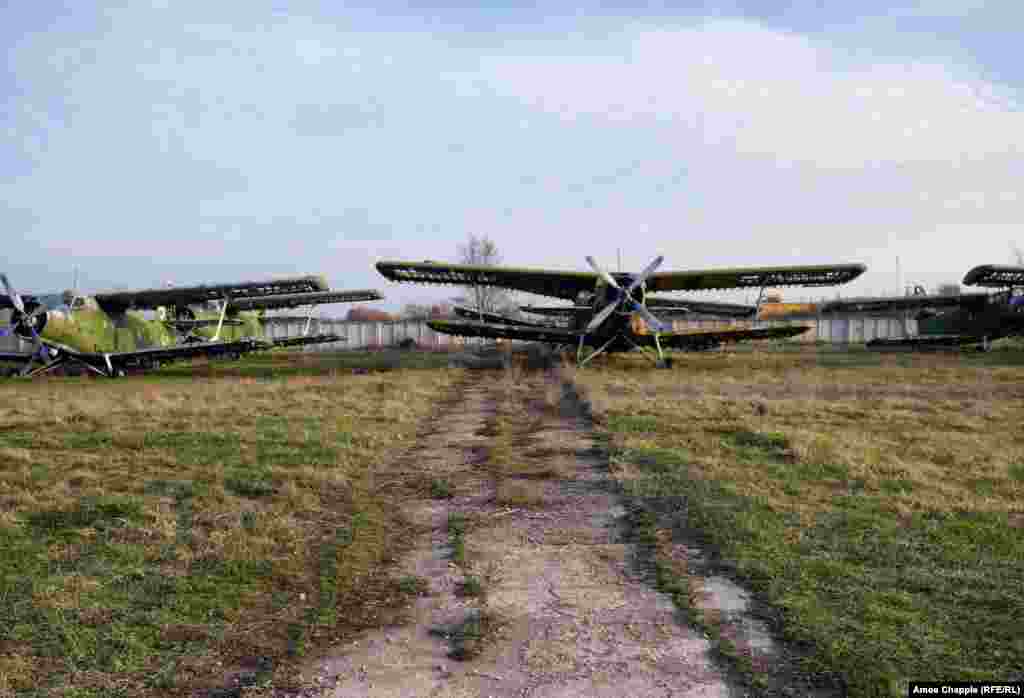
[527,587]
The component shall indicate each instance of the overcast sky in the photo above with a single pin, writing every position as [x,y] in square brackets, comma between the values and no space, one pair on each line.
[202,141]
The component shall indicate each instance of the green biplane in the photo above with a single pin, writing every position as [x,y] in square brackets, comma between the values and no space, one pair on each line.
[953,320]
[108,334]
[604,304]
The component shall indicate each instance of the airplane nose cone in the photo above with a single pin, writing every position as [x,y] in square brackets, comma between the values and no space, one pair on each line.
[25,323]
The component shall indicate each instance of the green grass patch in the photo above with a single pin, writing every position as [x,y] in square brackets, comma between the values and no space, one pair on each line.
[440,488]
[457,536]
[157,533]
[414,586]
[470,586]
[753,445]
[873,500]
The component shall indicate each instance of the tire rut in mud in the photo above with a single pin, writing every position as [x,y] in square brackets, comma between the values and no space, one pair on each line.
[531,588]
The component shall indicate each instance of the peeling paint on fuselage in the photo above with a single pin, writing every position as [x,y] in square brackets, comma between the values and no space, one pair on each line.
[87,328]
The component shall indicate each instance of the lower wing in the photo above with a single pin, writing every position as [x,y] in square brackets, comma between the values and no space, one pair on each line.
[303,341]
[558,335]
[524,331]
[712,338]
[114,363]
[946,341]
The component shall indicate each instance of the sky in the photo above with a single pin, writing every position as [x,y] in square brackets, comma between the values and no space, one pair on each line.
[195,142]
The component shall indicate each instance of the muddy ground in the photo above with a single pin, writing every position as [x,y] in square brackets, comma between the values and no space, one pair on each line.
[548,596]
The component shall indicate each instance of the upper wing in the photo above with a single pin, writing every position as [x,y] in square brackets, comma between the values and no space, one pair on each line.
[545,282]
[119,301]
[995,276]
[568,284]
[755,277]
[525,332]
[297,300]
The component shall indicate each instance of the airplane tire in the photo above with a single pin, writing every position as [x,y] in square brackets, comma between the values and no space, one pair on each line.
[119,373]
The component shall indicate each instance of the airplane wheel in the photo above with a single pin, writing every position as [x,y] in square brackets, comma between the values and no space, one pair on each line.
[119,373]
[664,363]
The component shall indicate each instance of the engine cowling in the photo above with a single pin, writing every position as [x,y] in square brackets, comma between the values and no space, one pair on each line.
[24,323]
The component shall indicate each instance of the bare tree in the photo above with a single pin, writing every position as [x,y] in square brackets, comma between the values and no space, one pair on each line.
[1017,254]
[482,251]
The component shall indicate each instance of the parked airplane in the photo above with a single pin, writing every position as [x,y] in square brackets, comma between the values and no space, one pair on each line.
[604,303]
[107,334]
[954,320]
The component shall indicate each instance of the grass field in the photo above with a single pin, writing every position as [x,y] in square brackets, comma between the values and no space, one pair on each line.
[199,528]
[875,500]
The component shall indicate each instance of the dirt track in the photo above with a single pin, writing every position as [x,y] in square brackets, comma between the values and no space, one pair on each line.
[566,610]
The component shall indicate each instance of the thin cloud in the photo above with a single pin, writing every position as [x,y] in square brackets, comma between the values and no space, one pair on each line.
[233,138]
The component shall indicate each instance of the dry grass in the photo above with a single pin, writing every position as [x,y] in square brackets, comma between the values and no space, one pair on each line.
[862,495]
[517,466]
[156,532]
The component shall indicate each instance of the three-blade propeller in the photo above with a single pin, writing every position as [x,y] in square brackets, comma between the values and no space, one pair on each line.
[624,297]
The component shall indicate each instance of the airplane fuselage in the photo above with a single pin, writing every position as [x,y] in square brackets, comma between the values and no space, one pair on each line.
[622,323]
[1001,316]
[85,327]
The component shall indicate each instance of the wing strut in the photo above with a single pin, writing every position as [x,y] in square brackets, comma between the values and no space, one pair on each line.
[309,320]
[220,323]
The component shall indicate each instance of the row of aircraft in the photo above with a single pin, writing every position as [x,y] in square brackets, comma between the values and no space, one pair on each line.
[108,333]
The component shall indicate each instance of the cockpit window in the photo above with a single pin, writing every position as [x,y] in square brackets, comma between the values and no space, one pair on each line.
[52,300]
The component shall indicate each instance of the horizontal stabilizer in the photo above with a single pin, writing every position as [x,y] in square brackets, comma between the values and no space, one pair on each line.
[557,310]
[493,318]
[668,306]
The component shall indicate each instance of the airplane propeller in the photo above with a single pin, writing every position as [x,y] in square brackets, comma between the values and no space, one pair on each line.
[625,296]
[23,319]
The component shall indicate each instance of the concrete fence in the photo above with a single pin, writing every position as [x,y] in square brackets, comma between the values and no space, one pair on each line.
[360,335]
[845,328]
